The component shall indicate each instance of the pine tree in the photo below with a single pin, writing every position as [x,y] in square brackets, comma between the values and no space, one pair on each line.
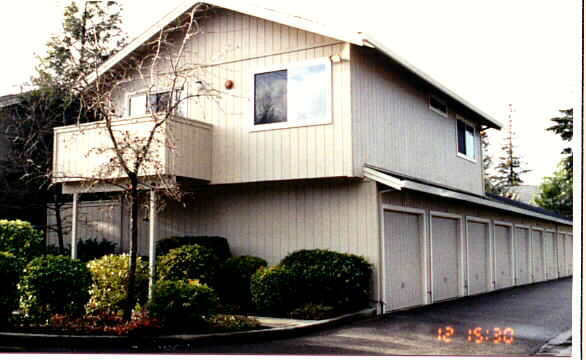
[509,169]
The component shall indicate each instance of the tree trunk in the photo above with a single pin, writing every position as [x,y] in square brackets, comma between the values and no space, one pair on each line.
[130,290]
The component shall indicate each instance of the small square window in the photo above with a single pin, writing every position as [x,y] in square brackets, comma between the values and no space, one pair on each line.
[466,140]
[295,95]
[154,102]
[438,106]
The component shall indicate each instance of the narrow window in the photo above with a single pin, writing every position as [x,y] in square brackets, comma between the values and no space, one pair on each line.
[466,143]
[270,97]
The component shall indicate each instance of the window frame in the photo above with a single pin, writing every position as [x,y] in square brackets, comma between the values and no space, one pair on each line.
[291,123]
[466,123]
[435,109]
[181,110]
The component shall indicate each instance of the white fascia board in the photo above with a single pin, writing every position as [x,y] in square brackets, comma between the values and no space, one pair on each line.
[385,179]
[469,198]
[378,45]
[233,5]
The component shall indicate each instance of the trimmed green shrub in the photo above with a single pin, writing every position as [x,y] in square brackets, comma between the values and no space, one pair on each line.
[234,280]
[10,271]
[330,278]
[273,290]
[182,304]
[218,245]
[109,281]
[54,285]
[91,249]
[21,240]
[189,262]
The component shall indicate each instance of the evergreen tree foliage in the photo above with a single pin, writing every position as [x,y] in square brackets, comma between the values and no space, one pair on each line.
[509,168]
[89,36]
[556,192]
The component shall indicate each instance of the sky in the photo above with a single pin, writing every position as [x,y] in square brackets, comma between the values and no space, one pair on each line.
[490,52]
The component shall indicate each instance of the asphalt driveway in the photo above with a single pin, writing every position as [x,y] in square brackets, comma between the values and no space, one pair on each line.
[534,314]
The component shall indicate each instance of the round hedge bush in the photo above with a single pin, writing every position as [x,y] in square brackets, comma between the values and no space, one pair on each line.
[217,244]
[21,239]
[109,282]
[234,280]
[273,290]
[189,262]
[10,270]
[54,285]
[330,278]
[182,304]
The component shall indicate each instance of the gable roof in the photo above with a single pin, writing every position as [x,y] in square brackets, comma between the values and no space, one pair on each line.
[356,38]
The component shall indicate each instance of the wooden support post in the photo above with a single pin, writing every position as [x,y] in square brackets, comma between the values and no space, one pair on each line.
[152,234]
[74,208]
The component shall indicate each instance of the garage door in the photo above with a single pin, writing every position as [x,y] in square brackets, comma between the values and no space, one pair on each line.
[549,256]
[503,253]
[569,256]
[446,265]
[522,270]
[478,259]
[404,260]
[537,255]
[561,253]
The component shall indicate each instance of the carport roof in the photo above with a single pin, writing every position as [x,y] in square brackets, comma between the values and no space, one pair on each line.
[399,182]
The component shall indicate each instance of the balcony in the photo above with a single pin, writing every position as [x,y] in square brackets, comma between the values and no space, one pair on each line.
[181,148]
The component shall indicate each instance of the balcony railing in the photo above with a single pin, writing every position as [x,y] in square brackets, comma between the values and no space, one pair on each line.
[180,147]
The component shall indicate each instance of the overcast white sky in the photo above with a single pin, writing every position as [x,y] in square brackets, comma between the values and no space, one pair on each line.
[491,52]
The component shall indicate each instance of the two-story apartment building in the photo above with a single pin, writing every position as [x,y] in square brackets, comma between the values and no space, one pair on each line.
[323,138]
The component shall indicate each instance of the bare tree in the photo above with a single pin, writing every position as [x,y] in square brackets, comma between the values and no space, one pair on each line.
[131,159]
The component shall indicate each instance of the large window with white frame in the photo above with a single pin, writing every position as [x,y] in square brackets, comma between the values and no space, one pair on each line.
[148,102]
[466,136]
[292,95]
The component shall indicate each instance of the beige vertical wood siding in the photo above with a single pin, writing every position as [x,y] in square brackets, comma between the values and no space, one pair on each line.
[232,46]
[273,220]
[393,127]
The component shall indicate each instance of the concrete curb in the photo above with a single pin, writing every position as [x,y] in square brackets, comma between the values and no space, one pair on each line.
[280,328]
[560,345]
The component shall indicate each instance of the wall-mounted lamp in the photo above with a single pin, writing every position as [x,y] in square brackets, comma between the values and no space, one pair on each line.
[336,59]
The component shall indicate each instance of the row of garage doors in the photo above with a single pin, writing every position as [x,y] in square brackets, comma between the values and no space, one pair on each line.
[433,256]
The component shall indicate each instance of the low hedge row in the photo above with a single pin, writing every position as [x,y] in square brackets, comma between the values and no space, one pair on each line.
[316,280]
